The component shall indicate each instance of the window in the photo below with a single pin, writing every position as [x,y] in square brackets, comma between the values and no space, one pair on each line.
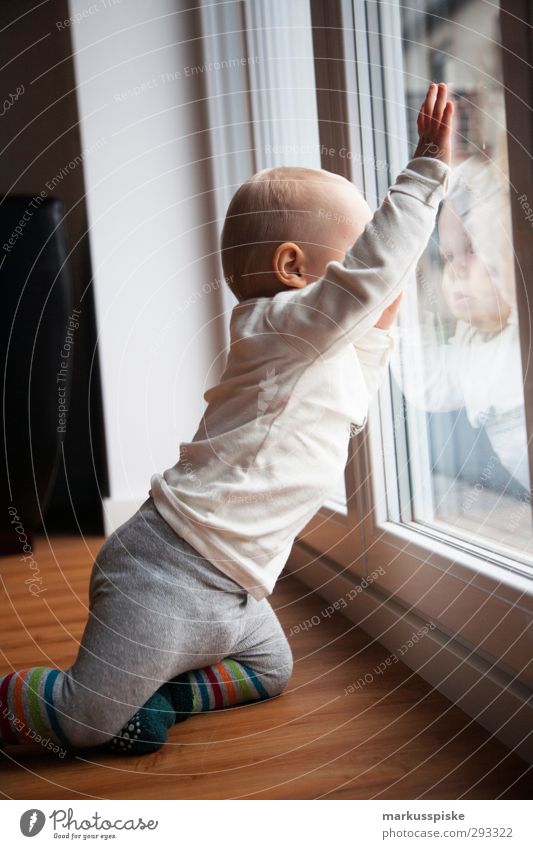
[457,418]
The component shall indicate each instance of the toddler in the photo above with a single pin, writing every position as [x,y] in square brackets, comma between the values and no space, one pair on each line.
[179,620]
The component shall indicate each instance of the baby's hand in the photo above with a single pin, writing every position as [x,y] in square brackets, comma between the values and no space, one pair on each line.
[435,124]
[388,316]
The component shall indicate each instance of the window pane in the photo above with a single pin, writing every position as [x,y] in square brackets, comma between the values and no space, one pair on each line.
[457,373]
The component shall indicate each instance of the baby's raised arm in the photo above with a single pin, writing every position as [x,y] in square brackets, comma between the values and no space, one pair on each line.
[349,299]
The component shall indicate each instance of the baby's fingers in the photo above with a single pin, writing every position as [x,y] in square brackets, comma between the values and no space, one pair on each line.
[426,112]
[438,109]
[435,125]
[446,122]
[448,115]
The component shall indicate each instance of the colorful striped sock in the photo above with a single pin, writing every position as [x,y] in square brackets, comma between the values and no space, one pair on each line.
[27,713]
[225,684]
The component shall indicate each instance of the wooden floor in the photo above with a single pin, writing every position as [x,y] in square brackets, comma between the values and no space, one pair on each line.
[395,739]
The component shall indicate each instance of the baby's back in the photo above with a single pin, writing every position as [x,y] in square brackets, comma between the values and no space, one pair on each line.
[271,445]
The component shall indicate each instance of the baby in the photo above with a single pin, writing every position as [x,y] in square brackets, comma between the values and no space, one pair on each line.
[179,620]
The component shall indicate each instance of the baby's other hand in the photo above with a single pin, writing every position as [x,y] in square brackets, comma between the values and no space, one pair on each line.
[388,316]
[435,124]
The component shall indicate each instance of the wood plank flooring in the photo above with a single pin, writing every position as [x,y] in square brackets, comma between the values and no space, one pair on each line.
[394,739]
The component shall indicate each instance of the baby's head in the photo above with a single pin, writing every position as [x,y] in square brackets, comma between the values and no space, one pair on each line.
[476,248]
[284,225]
[468,285]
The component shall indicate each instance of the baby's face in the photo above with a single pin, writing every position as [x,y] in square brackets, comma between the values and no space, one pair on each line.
[467,285]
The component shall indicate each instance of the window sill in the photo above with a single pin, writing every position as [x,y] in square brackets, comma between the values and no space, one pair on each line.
[483,604]
[497,576]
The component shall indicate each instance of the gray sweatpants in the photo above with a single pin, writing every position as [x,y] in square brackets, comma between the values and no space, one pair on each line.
[157,608]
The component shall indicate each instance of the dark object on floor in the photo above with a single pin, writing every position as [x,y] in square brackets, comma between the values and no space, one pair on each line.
[36,354]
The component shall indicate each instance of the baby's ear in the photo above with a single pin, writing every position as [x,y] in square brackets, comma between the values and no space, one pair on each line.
[288,265]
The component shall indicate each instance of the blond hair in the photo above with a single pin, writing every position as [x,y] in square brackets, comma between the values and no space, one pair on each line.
[273,206]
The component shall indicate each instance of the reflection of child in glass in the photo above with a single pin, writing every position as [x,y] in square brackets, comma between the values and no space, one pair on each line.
[479,368]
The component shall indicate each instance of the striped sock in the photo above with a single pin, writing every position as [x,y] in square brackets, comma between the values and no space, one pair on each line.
[27,712]
[225,684]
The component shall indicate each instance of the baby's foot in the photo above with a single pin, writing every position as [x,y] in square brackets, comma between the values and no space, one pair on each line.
[147,730]
[181,695]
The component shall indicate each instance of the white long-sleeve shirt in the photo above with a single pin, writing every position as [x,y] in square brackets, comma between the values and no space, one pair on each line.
[301,369]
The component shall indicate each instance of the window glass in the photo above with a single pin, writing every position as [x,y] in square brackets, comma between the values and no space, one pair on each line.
[457,385]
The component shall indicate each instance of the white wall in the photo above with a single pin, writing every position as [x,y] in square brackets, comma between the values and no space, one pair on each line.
[145,171]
